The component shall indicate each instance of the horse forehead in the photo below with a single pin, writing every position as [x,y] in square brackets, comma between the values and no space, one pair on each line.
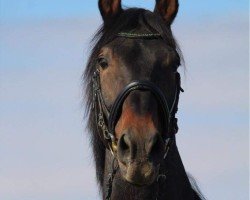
[139,56]
[150,49]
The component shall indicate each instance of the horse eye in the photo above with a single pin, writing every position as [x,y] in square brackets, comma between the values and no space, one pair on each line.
[102,62]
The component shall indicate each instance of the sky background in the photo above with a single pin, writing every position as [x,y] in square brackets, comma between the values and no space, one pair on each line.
[44,148]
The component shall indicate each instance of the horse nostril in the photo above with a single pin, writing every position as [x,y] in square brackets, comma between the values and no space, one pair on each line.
[155,146]
[124,142]
[124,147]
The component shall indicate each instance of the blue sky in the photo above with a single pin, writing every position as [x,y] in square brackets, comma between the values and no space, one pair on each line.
[14,10]
[44,148]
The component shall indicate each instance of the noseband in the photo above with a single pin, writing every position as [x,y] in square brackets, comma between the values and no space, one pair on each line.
[106,119]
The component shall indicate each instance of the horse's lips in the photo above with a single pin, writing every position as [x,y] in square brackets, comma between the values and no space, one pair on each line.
[135,175]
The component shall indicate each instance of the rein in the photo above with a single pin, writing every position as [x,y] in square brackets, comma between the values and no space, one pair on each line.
[106,118]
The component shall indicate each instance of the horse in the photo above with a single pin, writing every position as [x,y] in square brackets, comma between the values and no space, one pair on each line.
[132,92]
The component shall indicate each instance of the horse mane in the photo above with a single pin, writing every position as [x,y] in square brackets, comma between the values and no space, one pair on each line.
[195,187]
[127,21]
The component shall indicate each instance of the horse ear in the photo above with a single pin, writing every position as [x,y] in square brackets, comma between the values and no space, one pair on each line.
[109,8]
[167,9]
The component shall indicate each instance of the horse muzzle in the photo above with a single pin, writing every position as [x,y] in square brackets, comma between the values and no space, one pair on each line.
[139,159]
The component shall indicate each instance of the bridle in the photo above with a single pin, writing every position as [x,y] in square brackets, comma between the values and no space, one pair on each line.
[106,119]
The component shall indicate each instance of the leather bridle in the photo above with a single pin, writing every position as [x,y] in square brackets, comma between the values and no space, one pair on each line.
[106,119]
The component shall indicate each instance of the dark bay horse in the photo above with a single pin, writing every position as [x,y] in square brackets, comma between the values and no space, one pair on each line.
[133,91]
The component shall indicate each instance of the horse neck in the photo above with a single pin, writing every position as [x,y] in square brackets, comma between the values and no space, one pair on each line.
[177,184]
[175,187]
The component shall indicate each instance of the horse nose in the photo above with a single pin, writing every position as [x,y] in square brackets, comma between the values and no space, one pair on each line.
[133,148]
[155,147]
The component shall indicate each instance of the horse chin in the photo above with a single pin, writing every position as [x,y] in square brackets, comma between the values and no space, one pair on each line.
[139,175]
[139,183]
